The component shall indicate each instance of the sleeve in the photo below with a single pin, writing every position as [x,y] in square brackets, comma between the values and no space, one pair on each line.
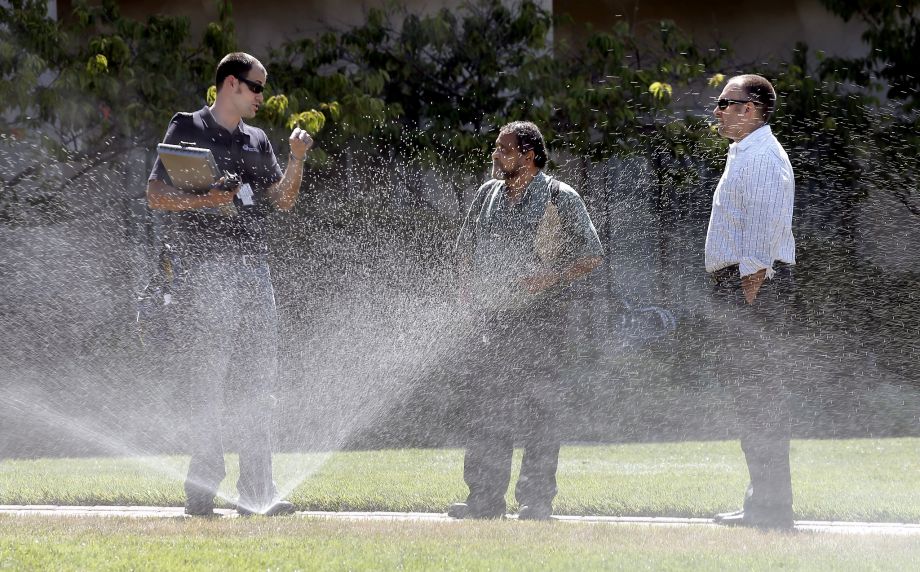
[172,137]
[764,204]
[582,238]
[466,240]
[271,169]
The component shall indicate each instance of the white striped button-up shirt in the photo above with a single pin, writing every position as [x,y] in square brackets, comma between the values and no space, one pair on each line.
[751,220]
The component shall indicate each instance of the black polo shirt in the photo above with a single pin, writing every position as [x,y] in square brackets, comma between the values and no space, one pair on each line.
[248,153]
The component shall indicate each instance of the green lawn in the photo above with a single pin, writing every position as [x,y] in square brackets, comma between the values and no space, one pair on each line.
[877,480]
[31,543]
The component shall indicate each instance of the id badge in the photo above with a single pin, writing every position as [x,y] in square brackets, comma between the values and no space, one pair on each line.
[245,195]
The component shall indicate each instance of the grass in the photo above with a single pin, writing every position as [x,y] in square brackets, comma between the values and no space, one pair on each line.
[861,480]
[31,543]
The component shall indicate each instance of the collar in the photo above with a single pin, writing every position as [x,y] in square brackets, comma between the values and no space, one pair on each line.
[535,190]
[755,137]
[212,123]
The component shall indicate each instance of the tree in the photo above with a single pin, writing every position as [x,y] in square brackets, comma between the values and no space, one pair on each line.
[619,95]
[893,37]
[90,89]
[891,64]
[449,77]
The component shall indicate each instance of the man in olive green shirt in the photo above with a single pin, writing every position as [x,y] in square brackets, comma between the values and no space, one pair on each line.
[519,296]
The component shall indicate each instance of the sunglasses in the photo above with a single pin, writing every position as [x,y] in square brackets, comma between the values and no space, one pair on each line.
[724,102]
[253,86]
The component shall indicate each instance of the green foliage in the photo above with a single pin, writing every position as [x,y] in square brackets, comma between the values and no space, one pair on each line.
[893,37]
[92,88]
[824,126]
[323,95]
[438,86]
[615,95]
[311,121]
[449,78]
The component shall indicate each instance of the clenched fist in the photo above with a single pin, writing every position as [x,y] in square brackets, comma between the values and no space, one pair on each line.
[300,142]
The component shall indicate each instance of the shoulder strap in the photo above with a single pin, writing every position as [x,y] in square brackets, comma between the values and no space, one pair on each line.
[554,189]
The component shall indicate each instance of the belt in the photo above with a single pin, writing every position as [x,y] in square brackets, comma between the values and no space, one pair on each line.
[734,271]
[725,274]
[245,259]
[252,259]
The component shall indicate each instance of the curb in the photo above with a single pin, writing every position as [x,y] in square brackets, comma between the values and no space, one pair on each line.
[838,527]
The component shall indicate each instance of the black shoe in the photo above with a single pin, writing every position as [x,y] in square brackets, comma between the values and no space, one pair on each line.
[278,508]
[458,510]
[767,520]
[200,507]
[538,511]
[461,510]
[723,516]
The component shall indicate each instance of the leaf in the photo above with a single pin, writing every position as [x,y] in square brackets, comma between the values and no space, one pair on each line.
[334,109]
[97,64]
[660,90]
[277,104]
[311,121]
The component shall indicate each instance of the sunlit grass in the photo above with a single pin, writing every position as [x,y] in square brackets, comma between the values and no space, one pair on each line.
[862,480]
[32,543]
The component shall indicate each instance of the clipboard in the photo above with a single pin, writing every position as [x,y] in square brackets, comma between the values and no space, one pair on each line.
[190,169]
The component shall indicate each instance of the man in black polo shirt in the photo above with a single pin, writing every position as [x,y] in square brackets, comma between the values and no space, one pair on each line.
[226,348]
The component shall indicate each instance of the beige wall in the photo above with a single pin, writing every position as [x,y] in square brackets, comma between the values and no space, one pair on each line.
[756,34]
[756,31]
[263,24]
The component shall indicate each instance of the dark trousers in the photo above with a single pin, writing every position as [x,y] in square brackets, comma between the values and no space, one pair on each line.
[751,342]
[512,394]
[226,354]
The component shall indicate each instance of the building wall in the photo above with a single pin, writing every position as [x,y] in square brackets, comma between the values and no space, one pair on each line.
[756,32]
[260,25]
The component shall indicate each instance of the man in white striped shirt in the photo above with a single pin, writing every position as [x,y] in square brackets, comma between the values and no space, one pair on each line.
[750,251]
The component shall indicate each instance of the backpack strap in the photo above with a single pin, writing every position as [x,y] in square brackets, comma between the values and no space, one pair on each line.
[554,189]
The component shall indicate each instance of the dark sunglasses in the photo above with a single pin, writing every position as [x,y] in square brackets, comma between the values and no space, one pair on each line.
[253,86]
[724,102]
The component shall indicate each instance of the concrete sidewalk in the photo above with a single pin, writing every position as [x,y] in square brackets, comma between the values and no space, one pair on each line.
[883,528]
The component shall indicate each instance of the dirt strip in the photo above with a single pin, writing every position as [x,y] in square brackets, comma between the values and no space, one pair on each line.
[884,528]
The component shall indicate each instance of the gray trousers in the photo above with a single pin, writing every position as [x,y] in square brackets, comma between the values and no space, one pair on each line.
[512,392]
[750,354]
[225,350]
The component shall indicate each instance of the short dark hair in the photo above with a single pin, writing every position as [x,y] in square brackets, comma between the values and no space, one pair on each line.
[529,138]
[234,64]
[760,90]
